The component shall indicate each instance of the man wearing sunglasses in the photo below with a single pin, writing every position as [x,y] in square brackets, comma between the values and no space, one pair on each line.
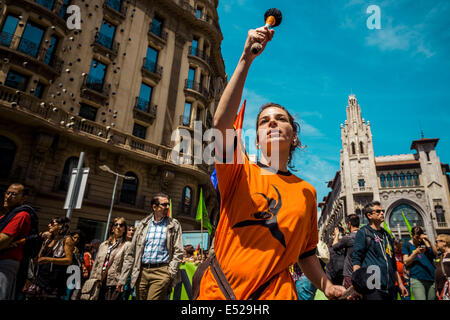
[373,253]
[155,253]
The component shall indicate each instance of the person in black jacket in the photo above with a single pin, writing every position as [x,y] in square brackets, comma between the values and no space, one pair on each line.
[373,253]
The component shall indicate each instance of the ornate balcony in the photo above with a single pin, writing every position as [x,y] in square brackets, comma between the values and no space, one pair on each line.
[200,54]
[157,34]
[152,70]
[196,89]
[145,110]
[115,8]
[105,45]
[48,9]
[95,90]
[26,53]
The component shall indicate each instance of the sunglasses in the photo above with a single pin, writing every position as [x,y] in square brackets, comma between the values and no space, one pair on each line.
[119,224]
[378,210]
[12,194]
[166,205]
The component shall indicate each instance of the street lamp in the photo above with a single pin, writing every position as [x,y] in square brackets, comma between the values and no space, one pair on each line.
[107,169]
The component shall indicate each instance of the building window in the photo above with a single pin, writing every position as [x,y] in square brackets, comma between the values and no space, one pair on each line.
[382,180]
[440,214]
[428,156]
[71,163]
[46,3]
[389,179]
[187,113]
[194,47]
[63,12]
[402,179]
[96,76]
[199,12]
[156,26]
[151,59]
[139,131]
[129,190]
[114,4]
[361,147]
[8,30]
[17,80]
[88,112]
[396,179]
[191,78]
[408,178]
[31,40]
[186,201]
[145,97]
[361,183]
[106,35]
[416,178]
[411,214]
[49,56]
[7,154]
[353,148]
[39,91]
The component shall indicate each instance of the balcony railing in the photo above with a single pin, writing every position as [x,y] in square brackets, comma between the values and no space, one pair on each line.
[153,67]
[146,106]
[96,84]
[58,118]
[199,53]
[156,30]
[107,43]
[117,6]
[196,86]
[442,224]
[32,50]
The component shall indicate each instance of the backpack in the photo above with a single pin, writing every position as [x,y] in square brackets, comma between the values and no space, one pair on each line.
[335,268]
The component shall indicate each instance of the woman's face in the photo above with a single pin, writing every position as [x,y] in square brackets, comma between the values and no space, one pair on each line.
[119,228]
[76,238]
[54,227]
[440,244]
[275,129]
[130,233]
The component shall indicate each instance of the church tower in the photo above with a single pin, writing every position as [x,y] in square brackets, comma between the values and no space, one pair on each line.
[358,171]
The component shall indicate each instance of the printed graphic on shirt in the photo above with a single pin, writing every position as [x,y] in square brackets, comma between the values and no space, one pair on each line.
[268,218]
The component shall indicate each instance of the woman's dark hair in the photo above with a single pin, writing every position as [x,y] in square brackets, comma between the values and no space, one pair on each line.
[81,240]
[111,228]
[295,128]
[65,225]
[416,230]
[189,249]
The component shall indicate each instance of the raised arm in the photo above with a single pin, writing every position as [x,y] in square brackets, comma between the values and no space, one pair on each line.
[232,95]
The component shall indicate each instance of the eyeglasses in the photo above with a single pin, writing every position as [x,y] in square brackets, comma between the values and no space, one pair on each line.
[378,210]
[119,224]
[439,240]
[166,205]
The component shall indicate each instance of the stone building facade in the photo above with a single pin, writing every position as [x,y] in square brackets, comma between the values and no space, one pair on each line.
[116,89]
[416,184]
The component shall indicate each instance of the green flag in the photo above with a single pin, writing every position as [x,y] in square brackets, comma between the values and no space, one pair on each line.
[202,214]
[408,225]
[385,226]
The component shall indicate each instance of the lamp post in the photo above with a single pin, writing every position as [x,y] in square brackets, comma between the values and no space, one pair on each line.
[107,169]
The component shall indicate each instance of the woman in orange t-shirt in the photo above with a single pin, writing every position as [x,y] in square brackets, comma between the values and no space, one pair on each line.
[268,217]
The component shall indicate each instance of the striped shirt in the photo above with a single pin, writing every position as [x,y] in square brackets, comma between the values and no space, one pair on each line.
[155,249]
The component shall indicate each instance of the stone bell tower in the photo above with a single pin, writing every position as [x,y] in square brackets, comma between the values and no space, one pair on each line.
[358,171]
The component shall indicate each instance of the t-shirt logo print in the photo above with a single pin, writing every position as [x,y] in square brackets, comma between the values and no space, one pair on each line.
[268,218]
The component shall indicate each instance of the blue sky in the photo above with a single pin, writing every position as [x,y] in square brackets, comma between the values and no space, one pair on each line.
[323,51]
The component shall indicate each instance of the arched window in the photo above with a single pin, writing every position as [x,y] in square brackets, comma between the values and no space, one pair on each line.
[186,201]
[361,147]
[396,179]
[382,180]
[353,148]
[71,163]
[408,178]
[402,178]
[129,190]
[7,153]
[411,214]
[389,179]
[416,178]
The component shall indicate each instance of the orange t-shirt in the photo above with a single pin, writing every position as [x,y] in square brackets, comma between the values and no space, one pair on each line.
[267,221]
